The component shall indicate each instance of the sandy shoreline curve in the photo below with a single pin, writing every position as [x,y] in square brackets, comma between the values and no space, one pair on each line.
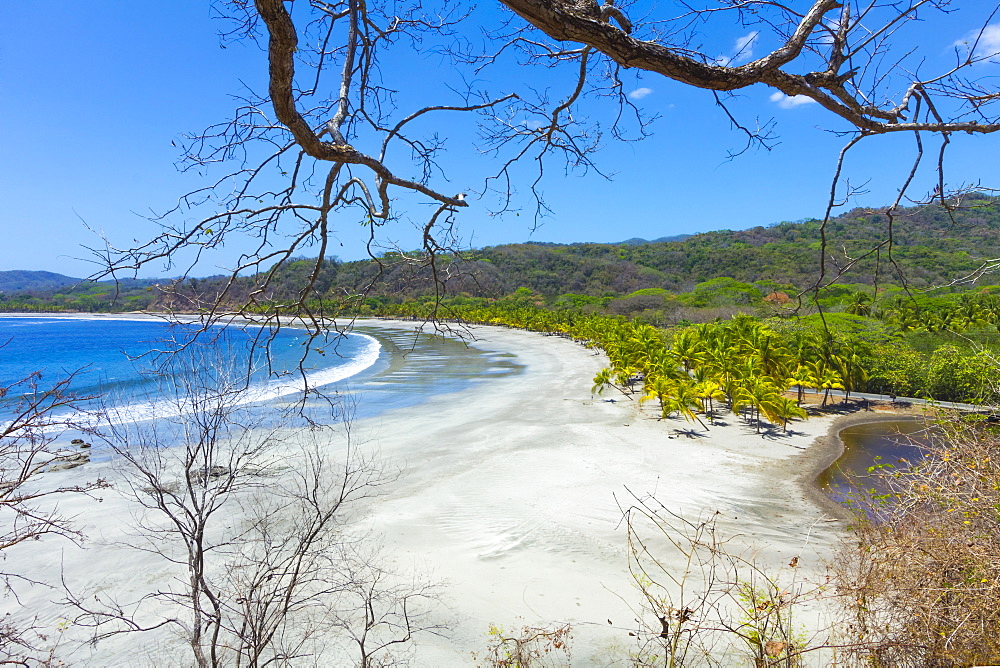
[509,494]
[513,493]
[828,448]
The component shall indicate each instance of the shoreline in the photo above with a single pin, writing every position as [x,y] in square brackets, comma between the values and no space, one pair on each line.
[754,480]
[509,491]
[819,457]
[829,447]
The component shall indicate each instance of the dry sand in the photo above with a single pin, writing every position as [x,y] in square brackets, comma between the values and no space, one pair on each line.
[509,494]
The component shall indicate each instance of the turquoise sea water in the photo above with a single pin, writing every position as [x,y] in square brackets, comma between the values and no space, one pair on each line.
[372,370]
[117,359]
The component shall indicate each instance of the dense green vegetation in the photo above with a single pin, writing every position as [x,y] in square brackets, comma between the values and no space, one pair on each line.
[746,361]
[892,339]
[929,248]
[719,269]
[76,295]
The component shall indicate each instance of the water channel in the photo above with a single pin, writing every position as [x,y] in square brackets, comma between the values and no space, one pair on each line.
[896,443]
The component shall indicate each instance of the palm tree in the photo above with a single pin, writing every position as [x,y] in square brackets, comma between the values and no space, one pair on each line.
[969,312]
[624,376]
[760,395]
[907,319]
[603,379]
[804,376]
[708,390]
[661,362]
[773,357]
[721,363]
[860,303]
[660,388]
[645,346]
[689,348]
[852,373]
[785,409]
[828,379]
[686,399]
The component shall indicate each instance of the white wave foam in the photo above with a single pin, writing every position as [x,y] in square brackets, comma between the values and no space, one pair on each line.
[272,389]
[278,388]
[257,393]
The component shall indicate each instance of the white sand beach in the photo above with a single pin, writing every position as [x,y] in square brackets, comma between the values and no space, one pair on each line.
[508,494]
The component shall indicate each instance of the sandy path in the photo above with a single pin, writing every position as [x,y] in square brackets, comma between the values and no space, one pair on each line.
[507,494]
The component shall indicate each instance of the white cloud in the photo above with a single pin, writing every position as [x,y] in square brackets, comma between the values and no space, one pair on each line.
[640,93]
[987,44]
[832,27]
[991,37]
[790,101]
[743,48]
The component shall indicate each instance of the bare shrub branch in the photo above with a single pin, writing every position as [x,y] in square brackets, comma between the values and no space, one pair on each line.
[249,514]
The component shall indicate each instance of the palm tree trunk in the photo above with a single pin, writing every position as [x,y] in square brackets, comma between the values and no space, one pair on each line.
[701,423]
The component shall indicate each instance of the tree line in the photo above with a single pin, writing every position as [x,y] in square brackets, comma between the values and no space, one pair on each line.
[711,269]
[747,361]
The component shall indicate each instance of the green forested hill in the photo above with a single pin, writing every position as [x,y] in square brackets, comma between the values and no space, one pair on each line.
[76,294]
[929,247]
[23,281]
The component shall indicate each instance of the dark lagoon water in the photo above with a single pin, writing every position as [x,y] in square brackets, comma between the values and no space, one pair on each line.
[895,443]
[373,370]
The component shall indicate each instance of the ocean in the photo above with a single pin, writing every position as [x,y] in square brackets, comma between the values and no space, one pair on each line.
[367,372]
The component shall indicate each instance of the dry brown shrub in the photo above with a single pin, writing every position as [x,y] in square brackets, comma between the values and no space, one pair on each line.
[527,647]
[919,579]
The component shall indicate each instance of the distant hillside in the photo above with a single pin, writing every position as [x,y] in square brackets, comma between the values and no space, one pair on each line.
[13,282]
[74,294]
[929,248]
[636,241]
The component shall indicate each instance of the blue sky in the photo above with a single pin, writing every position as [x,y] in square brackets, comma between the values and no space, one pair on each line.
[95,94]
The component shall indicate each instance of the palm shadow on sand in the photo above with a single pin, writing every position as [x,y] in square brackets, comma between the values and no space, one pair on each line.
[776,433]
[690,433]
